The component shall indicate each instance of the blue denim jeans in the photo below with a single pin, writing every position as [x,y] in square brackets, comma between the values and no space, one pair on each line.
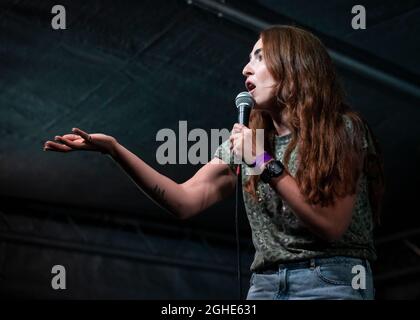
[315,279]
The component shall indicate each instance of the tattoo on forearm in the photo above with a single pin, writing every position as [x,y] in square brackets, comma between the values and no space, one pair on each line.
[160,193]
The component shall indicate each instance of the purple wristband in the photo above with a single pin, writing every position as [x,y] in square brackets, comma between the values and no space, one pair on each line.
[261,159]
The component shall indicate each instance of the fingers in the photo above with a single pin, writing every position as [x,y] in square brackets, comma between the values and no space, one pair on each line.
[237,127]
[236,141]
[239,137]
[71,136]
[54,146]
[68,142]
[233,137]
[82,133]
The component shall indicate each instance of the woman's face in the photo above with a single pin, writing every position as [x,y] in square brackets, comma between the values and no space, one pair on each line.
[259,82]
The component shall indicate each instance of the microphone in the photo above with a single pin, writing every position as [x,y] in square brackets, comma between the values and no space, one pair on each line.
[244,102]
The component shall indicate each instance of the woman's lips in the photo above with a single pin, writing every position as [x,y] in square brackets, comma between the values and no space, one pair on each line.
[249,86]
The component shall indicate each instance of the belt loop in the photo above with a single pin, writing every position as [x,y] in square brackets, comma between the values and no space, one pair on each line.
[312,264]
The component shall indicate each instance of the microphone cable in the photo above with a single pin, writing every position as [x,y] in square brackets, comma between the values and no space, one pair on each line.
[238,245]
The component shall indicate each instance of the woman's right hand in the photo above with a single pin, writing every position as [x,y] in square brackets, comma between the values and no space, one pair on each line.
[81,140]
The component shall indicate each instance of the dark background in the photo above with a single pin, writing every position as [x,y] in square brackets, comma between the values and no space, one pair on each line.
[131,68]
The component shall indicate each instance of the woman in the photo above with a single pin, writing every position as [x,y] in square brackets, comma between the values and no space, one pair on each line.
[311,209]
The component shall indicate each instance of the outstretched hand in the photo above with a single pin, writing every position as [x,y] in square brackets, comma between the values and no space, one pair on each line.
[81,140]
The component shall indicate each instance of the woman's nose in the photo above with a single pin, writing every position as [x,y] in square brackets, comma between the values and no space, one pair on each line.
[247,71]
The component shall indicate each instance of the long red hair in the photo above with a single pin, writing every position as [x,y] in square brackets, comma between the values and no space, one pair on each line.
[309,96]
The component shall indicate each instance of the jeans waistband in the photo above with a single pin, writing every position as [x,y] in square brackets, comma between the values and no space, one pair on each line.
[312,263]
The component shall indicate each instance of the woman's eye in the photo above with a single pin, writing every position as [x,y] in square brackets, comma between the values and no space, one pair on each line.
[259,57]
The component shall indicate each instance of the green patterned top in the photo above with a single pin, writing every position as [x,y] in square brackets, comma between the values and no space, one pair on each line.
[277,233]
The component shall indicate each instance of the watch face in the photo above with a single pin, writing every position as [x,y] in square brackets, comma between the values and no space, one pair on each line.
[276,168]
[271,166]
[272,169]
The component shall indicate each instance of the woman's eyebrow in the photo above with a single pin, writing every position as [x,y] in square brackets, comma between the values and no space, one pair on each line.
[257,51]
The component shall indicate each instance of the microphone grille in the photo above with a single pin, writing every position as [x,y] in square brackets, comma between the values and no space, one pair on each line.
[244,98]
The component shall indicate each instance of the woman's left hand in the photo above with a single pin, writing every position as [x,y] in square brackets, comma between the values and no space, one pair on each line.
[242,136]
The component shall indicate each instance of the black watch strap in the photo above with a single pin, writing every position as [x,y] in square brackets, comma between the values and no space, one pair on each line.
[272,169]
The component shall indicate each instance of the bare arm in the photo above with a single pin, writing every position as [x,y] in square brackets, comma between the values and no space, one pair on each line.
[330,222]
[212,183]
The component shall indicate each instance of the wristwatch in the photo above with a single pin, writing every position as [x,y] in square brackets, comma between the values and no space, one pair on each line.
[272,169]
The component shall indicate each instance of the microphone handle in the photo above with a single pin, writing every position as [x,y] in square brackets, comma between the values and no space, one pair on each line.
[243,115]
